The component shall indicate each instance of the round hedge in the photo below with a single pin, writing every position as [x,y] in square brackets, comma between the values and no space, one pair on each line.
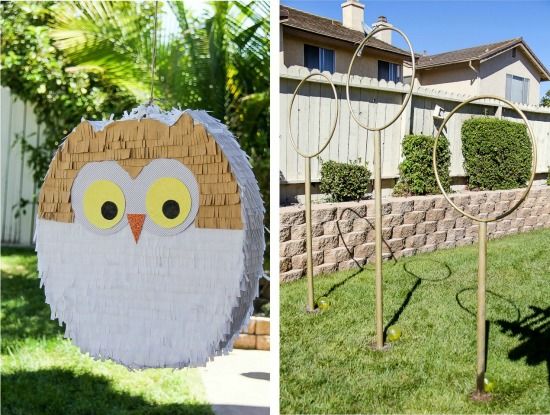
[416,173]
[344,181]
[497,153]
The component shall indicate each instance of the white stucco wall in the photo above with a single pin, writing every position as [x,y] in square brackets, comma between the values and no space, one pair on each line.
[493,74]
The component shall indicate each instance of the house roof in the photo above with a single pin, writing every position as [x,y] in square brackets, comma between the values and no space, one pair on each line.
[323,26]
[481,52]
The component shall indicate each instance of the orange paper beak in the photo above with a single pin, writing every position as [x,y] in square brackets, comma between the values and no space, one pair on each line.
[136,224]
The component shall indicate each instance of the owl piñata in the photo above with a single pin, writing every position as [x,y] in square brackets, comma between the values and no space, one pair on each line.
[150,238]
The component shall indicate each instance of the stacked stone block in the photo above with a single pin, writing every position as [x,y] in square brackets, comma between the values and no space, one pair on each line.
[255,335]
[409,226]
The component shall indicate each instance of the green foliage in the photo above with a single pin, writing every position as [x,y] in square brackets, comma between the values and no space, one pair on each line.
[548,178]
[416,173]
[344,181]
[90,59]
[37,72]
[545,101]
[497,153]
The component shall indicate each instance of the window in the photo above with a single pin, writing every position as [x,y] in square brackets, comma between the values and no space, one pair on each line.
[389,71]
[319,58]
[517,89]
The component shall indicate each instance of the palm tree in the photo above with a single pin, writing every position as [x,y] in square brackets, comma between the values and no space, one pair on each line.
[217,60]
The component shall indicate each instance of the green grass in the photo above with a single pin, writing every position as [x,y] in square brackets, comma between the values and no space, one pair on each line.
[44,374]
[327,366]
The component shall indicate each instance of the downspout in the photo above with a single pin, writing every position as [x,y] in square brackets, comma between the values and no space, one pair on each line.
[475,70]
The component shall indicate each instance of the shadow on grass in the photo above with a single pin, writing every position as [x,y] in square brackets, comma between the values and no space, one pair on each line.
[460,303]
[533,331]
[25,313]
[60,391]
[340,284]
[418,281]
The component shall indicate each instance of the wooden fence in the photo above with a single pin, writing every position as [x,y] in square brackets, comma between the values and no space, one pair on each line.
[17,183]
[376,102]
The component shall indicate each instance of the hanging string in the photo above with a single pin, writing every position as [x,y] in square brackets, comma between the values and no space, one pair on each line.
[154,56]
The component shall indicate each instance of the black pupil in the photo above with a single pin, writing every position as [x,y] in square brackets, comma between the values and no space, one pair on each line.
[109,210]
[171,209]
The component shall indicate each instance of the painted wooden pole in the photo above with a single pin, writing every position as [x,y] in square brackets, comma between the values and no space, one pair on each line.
[379,289]
[309,240]
[481,314]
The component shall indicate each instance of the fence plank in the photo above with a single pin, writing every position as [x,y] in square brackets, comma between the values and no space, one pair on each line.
[13,185]
[7,115]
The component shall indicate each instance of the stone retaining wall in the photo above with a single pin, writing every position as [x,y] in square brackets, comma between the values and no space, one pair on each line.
[410,225]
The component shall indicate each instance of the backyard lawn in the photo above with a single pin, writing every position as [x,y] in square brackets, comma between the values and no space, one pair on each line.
[327,366]
[43,374]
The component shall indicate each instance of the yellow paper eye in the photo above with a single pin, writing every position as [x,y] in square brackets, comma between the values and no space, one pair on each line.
[104,204]
[168,202]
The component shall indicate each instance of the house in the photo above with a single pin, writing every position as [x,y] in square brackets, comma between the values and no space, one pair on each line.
[509,69]
[328,45]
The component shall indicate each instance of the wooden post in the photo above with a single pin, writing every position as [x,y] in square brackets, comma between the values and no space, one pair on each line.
[309,249]
[481,314]
[378,240]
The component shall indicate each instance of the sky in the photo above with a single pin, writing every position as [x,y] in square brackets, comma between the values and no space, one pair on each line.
[437,26]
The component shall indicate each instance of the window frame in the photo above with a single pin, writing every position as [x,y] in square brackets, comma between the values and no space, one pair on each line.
[525,87]
[399,68]
[321,58]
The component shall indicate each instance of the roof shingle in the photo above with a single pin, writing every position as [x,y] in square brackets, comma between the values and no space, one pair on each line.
[331,28]
[479,53]
[462,55]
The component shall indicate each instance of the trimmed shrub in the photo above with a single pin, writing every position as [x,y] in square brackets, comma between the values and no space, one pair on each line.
[344,181]
[497,153]
[416,173]
[548,178]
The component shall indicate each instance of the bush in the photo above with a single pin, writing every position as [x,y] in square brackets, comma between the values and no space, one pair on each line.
[497,153]
[548,178]
[416,173]
[344,181]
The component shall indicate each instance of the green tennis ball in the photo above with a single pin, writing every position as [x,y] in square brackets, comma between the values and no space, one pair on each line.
[394,333]
[323,303]
[488,385]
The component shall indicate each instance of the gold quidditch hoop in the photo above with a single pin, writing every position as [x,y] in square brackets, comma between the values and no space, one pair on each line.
[533,157]
[481,365]
[379,289]
[307,181]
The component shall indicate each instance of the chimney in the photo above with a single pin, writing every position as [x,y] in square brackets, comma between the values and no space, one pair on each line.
[353,15]
[384,36]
